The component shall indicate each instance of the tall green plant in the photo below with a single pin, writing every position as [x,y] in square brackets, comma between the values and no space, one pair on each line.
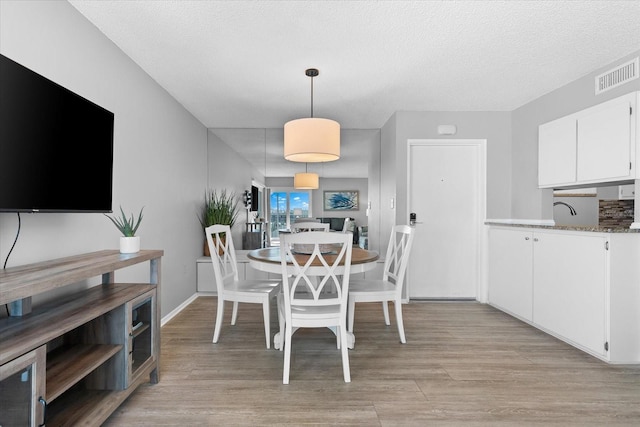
[219,208]
[127,226]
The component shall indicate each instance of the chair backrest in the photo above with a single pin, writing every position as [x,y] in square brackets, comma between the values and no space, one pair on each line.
[349,225]
[309,226]
[307,279]
[223,255]
[395,263]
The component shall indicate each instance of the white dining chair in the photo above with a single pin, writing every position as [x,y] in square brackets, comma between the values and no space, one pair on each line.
[303,302]
[230,287]
[309,226]
[389,288]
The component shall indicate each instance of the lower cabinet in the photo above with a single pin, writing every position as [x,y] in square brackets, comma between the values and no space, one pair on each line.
[570,288]
[22,389]
[582,287]
[511,271]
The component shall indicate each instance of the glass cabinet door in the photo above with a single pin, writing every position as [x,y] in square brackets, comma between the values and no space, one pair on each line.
[22,390]
[141,324]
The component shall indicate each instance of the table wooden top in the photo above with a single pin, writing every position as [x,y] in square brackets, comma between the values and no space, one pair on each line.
[272,255]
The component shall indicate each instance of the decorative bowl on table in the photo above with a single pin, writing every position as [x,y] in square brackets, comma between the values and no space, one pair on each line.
[307,249]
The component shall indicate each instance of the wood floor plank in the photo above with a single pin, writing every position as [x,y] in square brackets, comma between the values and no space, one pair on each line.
[464,363]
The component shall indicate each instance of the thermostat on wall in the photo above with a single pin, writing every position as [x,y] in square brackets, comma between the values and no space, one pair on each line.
[447,129]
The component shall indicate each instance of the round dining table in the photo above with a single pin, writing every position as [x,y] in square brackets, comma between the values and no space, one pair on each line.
[268,259]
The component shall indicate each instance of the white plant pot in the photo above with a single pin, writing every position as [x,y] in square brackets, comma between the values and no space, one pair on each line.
[129,245]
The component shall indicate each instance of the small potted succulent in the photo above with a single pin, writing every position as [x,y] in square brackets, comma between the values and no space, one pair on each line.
[129,242]
[219,207]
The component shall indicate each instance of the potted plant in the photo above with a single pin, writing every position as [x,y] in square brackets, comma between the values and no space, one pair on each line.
[129,242]
[220,207]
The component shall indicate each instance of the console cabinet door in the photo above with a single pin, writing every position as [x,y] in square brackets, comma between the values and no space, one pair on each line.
[22,389]
[557,152]
[604,142]
[511,271]
[569,290]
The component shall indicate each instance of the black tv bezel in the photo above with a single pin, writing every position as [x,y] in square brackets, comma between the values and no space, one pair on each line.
[109,116]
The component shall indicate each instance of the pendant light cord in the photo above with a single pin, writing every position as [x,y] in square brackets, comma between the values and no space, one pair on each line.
[312,96]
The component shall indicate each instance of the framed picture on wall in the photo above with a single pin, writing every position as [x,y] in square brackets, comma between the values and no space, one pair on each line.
[341,200]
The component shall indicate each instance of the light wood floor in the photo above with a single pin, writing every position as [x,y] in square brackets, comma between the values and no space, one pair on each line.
[464,363]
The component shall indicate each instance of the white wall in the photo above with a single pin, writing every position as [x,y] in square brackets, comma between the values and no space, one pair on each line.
[159,149]
[388,181]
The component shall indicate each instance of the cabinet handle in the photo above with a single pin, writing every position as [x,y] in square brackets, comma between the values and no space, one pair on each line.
[535,239]
[43,402]
[526,238]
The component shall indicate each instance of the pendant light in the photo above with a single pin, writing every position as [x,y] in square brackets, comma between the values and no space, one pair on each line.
[306,180]
[312,139]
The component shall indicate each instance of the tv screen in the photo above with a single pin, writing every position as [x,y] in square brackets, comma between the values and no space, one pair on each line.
[255,199]
[56,147]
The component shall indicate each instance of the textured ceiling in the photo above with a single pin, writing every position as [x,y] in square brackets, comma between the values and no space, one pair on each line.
[240,64]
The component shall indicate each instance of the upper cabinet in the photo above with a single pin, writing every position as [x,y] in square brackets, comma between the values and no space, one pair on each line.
[592,146]
[557,152]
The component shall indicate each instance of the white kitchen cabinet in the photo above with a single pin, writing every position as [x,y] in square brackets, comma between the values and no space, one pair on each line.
[557,152]
[626,192]
[582,287]
[570,293]
[511,271]
[604,142]
[595,145]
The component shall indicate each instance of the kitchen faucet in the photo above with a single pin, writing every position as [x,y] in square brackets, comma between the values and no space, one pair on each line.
[571,208]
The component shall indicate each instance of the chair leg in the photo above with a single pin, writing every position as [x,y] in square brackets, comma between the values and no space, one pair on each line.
[398,305]
[385,310]
[346,371]
[281,321]
[351,310]
[267,321]
[287,354]
[219,314]
[234,315]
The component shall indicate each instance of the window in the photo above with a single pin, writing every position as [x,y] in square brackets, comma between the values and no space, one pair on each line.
[286,206]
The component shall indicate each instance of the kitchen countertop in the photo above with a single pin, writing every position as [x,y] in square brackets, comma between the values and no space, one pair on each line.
[589,228]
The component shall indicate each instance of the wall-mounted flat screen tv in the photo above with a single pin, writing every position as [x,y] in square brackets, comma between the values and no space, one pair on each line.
[56,147]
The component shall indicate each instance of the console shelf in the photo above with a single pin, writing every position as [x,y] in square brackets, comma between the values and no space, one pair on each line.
[99,344]
[68,367]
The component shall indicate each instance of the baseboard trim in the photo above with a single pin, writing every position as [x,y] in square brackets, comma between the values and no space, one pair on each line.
[178,309]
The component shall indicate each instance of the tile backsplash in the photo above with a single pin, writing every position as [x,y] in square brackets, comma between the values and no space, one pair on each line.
[616,213]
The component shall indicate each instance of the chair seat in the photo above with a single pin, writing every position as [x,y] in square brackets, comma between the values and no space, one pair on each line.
[253,286]
[316,312]
[371,286]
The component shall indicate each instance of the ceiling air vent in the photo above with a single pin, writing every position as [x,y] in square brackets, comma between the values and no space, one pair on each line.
[620,75]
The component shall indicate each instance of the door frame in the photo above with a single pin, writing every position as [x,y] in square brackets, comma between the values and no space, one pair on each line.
[481,188]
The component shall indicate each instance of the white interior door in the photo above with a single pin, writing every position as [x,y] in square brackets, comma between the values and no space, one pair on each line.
[446,192]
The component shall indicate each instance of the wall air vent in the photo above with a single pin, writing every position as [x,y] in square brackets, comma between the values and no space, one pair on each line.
[620,75]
